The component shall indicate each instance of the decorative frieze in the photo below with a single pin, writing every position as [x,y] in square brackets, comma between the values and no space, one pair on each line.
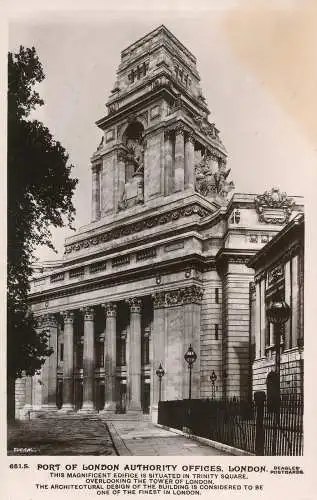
[137,227]
[180,296]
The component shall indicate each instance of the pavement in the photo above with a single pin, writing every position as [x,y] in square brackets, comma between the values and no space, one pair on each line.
[143,438]
[93,435]
[60,436]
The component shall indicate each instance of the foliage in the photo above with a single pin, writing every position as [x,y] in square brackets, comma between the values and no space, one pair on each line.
[40,191]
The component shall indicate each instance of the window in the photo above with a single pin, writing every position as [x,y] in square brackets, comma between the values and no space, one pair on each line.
[217,295]
[61,352]
[216,331]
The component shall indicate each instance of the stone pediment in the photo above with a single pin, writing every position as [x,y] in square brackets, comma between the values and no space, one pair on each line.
[274,207]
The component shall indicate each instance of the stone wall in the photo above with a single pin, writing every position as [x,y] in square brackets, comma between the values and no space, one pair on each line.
[210,346]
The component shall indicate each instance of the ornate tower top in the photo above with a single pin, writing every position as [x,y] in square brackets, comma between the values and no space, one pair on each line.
[157,138]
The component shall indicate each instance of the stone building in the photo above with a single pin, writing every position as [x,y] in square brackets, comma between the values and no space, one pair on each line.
[279,274]
[163,262]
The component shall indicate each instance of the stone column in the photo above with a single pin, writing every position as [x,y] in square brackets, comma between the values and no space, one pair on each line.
[119,178]
[49,369]
[189,174]
[134,368]
[110,357]
[263,317]
[88,361]
[295,301]
[257,320]
[288,300]
[179,159]
[28,396]
[168,174]
[68,365]
[95,215]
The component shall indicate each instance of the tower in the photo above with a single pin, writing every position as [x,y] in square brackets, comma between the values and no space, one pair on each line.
[157,140]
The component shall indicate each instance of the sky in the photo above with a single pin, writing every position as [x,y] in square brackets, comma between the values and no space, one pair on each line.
[252,75]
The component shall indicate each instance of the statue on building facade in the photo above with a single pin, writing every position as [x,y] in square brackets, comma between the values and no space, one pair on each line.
[209,183]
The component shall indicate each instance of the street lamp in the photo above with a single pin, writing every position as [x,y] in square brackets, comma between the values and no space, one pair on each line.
[190,358]
[213,378]
[278,312]
[160,372]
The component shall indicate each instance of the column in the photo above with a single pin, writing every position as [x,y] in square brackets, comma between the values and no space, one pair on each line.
[168,174]
[68,366]
[263,317]
[189,174]
[294,301]
[134,368]
[179,159]
[28,395]
[95,215]
[88,361]
[257,320]
[119,178]
[49,369]
[288,300]
[110,357]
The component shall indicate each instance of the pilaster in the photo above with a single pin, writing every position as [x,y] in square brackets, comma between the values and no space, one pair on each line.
[95,215]
[189,170]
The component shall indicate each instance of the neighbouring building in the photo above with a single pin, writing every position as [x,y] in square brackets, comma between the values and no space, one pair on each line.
[279,274]
[164,261]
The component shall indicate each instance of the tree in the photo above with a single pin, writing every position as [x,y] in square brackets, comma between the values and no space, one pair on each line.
[40,190]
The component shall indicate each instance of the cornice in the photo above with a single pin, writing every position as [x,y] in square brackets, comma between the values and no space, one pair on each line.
[136,227]
[124,276]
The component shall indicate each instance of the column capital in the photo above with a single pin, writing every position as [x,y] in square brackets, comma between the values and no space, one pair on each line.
[95,168]
[68,316]
[46,320]
[135,305]
[88,313]
[179,129]
[190,137]
[110,309]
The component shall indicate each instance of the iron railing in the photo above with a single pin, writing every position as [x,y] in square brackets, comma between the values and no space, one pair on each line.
[252,426]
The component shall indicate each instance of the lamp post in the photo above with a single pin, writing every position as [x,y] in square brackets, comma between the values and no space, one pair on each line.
[190,358]
[160,372]
[213,378]
[278,313]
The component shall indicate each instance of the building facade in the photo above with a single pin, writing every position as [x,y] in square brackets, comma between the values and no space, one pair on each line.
[163,263]
[279,274]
